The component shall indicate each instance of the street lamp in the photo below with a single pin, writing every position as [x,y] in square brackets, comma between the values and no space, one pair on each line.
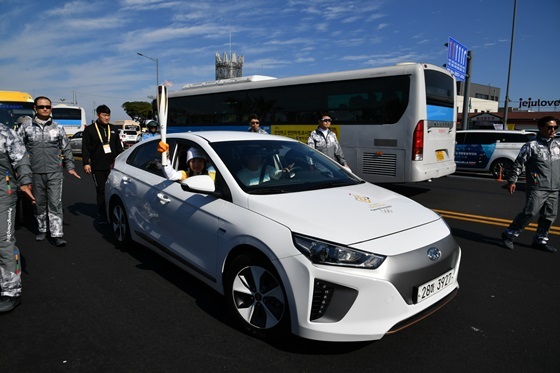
[506,106]
[157,67]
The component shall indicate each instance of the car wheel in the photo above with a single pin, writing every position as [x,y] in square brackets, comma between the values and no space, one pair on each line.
[505,165]
[256,298]
[119,223]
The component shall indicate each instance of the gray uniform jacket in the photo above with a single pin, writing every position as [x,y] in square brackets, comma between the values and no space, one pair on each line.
[328,145]
[541,158]
[48,147]
[14,162]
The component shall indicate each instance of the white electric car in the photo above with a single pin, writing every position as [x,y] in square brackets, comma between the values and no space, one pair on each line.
[294,241]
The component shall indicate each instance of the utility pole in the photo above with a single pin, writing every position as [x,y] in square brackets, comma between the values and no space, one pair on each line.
[466,98]
[506,105]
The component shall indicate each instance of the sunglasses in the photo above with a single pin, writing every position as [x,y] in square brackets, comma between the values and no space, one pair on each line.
[552,128]
[326,120]
[44,107]
[255,122]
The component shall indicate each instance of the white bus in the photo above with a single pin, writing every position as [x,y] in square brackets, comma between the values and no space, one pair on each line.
[72,118]
[395,124]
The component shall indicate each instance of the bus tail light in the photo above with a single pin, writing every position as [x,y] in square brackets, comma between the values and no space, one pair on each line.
[418,142]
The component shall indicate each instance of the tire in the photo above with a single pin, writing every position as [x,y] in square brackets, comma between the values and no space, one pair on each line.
[119,224]
[256,297]
[505,164]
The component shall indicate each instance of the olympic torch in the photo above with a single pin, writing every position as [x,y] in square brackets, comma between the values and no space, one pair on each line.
[162,114]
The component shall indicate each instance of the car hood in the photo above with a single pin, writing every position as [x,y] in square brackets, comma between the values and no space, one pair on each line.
[344,215]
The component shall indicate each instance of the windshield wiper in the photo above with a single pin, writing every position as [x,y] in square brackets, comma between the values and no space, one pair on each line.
[271,190]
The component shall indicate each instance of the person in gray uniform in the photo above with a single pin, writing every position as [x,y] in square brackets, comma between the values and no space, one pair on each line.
[325,140]
[14,164]
[49,151]
[541,159]
[255,124]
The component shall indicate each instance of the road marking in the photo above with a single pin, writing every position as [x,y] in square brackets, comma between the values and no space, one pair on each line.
[489,220]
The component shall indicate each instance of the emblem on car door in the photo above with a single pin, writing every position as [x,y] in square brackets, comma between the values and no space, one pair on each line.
[434,253]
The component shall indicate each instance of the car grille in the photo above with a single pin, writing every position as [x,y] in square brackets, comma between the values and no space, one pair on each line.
[413,268]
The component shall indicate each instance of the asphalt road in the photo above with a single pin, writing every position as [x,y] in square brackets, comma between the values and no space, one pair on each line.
[89,307]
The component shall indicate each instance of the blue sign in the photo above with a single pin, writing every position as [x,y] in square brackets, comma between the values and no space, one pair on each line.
[457,59]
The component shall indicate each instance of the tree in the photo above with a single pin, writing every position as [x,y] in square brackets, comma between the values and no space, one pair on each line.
[138,110]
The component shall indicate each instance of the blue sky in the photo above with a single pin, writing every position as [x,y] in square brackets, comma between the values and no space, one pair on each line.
[55,48]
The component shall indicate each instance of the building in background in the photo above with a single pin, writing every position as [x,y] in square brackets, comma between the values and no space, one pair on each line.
[485,111]
[229,66]
[482,98]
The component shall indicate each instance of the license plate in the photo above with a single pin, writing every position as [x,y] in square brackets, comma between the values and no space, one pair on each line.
[434,286]
[440,155]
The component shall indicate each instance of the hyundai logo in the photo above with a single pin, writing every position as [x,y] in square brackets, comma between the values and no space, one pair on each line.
[434,253]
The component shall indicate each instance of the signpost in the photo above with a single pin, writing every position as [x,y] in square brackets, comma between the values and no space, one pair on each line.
[458,64]
[457,59]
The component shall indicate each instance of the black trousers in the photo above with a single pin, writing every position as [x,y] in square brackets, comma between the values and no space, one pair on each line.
[100,178]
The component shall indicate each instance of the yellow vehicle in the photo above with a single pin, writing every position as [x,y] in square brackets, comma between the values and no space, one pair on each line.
[15,104]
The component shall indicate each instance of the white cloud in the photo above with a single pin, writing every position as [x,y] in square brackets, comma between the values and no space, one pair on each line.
[69,9]
[90,46]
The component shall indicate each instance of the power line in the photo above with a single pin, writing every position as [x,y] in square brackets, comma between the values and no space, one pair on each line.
[120,98]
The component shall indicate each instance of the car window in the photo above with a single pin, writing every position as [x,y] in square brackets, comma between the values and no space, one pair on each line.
[147,158]
[483,138]
[269,167]
[520,137]
[461,137]
[178,156]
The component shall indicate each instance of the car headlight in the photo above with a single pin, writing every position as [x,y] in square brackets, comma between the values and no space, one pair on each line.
[320,252]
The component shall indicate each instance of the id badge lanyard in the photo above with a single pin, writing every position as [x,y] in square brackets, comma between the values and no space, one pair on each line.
[106,147]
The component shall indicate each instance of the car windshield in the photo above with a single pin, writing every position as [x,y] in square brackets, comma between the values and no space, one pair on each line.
[270,167]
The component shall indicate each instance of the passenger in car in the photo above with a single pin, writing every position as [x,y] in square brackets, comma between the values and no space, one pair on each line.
[196,161]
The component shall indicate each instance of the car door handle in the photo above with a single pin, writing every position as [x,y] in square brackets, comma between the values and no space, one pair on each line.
[163,199]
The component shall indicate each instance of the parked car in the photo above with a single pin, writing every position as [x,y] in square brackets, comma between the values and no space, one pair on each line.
[76,143]
[492,151]
[305,246]
[129,132]
[128,138]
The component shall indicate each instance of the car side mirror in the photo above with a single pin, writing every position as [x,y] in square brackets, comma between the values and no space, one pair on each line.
[199,184]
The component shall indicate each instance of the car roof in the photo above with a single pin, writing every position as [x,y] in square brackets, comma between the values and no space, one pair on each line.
[495,131]
[221,136]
